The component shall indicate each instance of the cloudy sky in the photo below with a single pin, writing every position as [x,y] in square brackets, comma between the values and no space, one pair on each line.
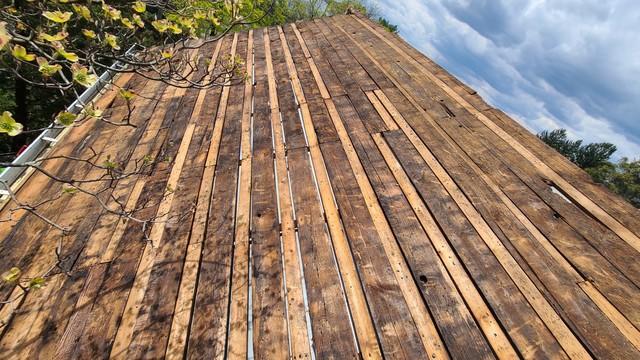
[573,64]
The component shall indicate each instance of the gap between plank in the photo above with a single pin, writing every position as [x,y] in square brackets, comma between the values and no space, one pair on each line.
[430,337]
[363,324]
[577,196]
[555,324]
[177,344]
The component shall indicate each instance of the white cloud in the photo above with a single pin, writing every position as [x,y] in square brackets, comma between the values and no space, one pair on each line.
[564,63]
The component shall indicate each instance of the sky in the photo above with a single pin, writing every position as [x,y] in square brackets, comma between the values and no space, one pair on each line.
[572,64]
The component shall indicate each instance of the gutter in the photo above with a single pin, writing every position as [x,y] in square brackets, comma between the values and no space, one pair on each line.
[51,135]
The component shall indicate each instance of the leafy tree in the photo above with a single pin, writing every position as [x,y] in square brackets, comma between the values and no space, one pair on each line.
[295,10]
[55,49]
[622,177]
[61,46]
[585,156]
[51,50]
[390,27]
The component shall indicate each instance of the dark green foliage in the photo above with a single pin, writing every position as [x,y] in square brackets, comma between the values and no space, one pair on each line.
[622,177]
[585,156]
[389,26]
[42,105]
[35,107]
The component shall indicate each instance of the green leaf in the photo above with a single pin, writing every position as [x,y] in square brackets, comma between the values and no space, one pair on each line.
[90,34]
[11,275]
[57,16]
[67,55]
[175,28]
[91,111]
[4,35]
[185,22]
[214,20]
[53,38]
[160,25]
[66,118]
[111,12]
[82,76]
[46,69]
[112,41]
[69,189]
[8,125]
[138,21]
[111,165]
[139,7]
[126,94]
[20,53]
[127,23]
[37,283]
[168,54]
[82,11]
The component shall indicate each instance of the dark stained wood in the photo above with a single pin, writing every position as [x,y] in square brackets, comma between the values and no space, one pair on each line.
[376,205]
[620,209]
[209,323]
[153,325]
[294,135]
[321,122]
[451,315]
[395,328]
[269,324]
[31,245]
[329,312]
[476,256]
[471,143]
[346,76]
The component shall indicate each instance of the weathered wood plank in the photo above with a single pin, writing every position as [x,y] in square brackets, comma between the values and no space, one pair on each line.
[346,80]
[330,319]
[482,255]
[30,244]
[239,308]
[363,155]
[553,216]
[619,209]
[39,183]
[569,295]
[296,319]
[363,323]
[383,241]
[118,280]
[306,73]
[269,318]
[215,109]
[329,313]
[29,323]
[169,237]
[442,309]
[208,334]
[291,124]
[418,123]
[595,209]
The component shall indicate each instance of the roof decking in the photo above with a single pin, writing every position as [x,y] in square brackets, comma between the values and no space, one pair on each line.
[355,198]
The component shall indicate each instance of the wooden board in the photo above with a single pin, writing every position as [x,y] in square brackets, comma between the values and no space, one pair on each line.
[348,199]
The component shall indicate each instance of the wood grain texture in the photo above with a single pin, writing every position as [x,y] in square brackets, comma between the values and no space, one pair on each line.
[348,199]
